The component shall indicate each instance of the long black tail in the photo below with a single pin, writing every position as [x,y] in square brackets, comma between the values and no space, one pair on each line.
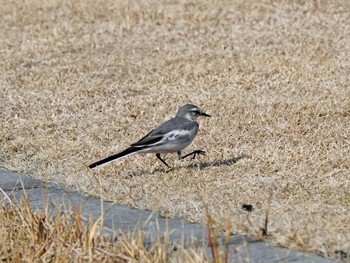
[123,154]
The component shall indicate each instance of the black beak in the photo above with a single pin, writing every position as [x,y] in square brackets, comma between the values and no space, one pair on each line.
[204,114]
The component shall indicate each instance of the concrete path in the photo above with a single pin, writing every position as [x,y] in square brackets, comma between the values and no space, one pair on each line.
[121,218]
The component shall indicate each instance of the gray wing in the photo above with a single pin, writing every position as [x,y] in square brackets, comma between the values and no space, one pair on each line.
[156,135]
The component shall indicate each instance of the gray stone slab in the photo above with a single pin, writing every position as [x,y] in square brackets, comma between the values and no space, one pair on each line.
[119,218]
[262,252]
[10,181]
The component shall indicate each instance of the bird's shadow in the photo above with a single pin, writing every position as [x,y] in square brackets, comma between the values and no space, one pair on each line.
[227,162]
[197,165]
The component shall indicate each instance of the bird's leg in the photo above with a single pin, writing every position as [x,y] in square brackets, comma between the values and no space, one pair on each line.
[179,155]
[194,153]
[158,156]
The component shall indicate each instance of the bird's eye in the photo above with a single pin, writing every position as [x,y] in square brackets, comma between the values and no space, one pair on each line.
[195,111]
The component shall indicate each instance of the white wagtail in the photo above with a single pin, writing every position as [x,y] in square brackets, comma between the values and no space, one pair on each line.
[172,136]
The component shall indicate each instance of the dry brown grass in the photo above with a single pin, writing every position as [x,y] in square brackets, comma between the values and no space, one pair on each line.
[81,80]
[43,236]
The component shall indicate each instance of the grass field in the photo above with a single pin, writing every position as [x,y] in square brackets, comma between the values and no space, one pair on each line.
[81,80]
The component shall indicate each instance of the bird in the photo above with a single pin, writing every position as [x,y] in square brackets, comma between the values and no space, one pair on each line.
[171,136]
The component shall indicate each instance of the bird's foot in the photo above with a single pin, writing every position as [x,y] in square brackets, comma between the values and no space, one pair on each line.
[169,169]
[198,152]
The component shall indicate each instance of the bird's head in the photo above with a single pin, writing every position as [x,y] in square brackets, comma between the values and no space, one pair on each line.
[191,112]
